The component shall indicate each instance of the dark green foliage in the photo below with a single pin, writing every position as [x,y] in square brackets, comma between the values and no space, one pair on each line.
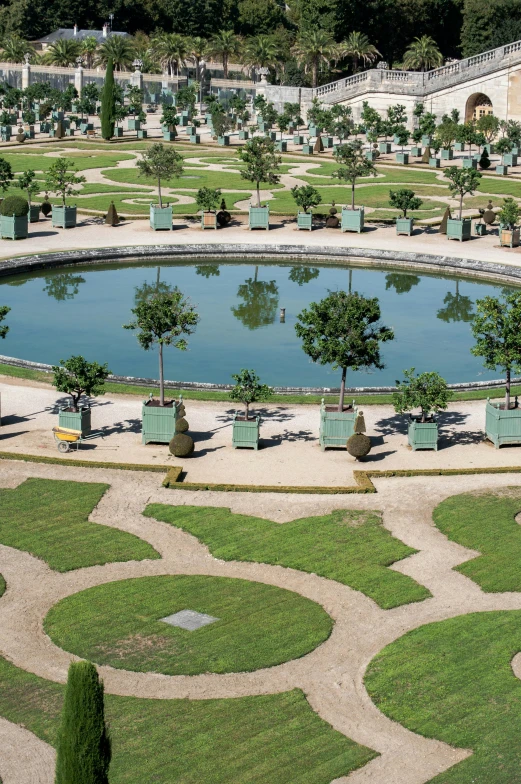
[76,377]
[181,445]
[484,161]
[262,163]
[181,425]
[488,24]
[14,205]
[306,196]
[4,310]
[426,391]
[108,102]
[358,445]
[83,741]
[404,200]
[6,174]
[248,389]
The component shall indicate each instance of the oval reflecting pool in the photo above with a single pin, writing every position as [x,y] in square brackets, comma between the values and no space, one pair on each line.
[81,310]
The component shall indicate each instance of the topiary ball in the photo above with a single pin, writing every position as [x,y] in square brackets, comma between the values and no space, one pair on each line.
[46,207]
[181,445]
[181,410]
[14,205]
[181,426]
[358,445]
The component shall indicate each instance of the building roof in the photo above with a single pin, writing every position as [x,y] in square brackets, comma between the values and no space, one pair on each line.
[67,34]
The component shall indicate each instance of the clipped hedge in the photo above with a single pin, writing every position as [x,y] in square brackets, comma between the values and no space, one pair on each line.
[158,469]
[14,205]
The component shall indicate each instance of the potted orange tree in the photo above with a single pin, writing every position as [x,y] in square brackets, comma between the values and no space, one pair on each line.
[261,165]
[61,179]
[353,164]
[160,163]
[428,392]
[207,200]
[404,200]
[247,390]
[77,377]
[461,182]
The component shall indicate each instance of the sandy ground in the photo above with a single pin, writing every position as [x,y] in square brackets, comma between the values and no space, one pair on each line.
[331,676]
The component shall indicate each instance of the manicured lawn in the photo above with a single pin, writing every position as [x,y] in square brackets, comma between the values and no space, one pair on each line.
[119,624]
[82,160]
[275,739]
[453,681]
[500,185]
[486,522]
[192,179]
[49,519]
[351,547]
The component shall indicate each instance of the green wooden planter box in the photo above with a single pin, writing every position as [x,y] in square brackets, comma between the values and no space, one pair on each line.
[307,149]
[297,139]
[447,155]
[501,169]
[5,135]
[29,132]
[70,132]
[34,213]
[14,227]
[515,150]
[312,130]
[510,159]
[158,424]
[195,139]
[404,226]
[183,121]
[244,135]
[160,218]
[191,130]
[75,420]
[402,157]
[385,147]
[352,220]
[118,132]
[426,141]
[371,155]
[169,136]
[86,126]
[208,119]
[271,135]
[223,141]
[459,229]
[305,220]
[263,127]
[142,134]
[416,152]
[259,218]
[282,146]
[502,427]
[459,146]
[63,217]
[245,433]
[508,238]
[489,148]
[422,435]
[45,127]
[328,142]
[57,115]
[470,163]
[133,125]
[434,163]
[336,426]
[396,139]
[209,220]
[480,229]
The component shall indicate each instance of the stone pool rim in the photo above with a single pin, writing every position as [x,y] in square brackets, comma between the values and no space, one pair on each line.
[360,257]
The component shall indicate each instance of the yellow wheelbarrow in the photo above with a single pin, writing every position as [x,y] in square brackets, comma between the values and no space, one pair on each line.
[65,437]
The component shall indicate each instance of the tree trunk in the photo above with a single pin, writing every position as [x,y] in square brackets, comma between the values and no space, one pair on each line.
[424,415]
[159,191]
[258,195]
[342,390]
[353,195]
[225,65]
[461,206]
[161,379]
[247,410]
[315,71]
[507,390]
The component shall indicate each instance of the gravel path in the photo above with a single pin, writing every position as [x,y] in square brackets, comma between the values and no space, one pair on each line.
[24,758]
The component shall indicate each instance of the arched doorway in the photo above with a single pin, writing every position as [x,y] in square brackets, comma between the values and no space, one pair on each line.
[477,106]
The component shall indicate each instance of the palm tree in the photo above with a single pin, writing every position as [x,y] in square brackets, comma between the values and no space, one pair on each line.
[119,49]
[225,44]
[63,53]
[261,51]
[15,49]
[422,55]
[312,48]
[357,47]
[197,50]
[89,46]
[171,50]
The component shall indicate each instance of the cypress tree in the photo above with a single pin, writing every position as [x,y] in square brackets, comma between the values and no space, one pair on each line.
[83,742]
[108,102]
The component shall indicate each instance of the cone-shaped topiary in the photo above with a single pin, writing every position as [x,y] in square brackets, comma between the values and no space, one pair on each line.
[14,205]
[484,161]
[181,445]
[83,742]
[181,426]
[358,445]
[46,206]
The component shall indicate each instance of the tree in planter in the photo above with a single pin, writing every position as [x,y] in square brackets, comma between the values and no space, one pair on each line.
[370,117]
[161,163]
[447,133]
[484,161]
[497,330]
[488,125]
[352,165]
[207,199]
[462,181]
[306,196]
[508,215]
[220,121]
[169,118]
[426,391]
[61,178]
[262,163]
[504,146]
[248,390]
[4,329]
[343,330]
[26,182]
[292,110]
[6,174]
[164,319]
[402,135]
[84,748]
[108,102]
[135,99]
[76,377]
[404,200]
[396,117]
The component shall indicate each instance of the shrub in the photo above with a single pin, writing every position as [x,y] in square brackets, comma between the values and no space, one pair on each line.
[181,445]
[181,426]
[508,215]
[358,445]
[181,410]
[46,206]
[14,205]
[484,161]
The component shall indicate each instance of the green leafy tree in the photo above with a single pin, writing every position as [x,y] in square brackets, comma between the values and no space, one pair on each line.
[426,391]
[169,118]
[108,102]
[488,125]
[186,98]
[261,163]
[508,215]
[344,331]
[353,164]
[248,389]
[76,377]
[358,47]
[260,302]
[427,124]
[164,319]
[314,48]
[4,329]
[402,135]
[397,116]
[447,132]
[461,182]
[504,146]
[225,45]
[422,55]
[61,178]
[371,119]
[497,330]
[118,49]
[84,748]
[161,163]
[6,174]
[26,182]
[63,53]
[207,199]
[292,110]
[306,196]
[404,200]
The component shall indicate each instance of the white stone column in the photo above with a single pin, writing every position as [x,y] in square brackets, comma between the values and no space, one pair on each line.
[26,73]
[78,78]
[136,79]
